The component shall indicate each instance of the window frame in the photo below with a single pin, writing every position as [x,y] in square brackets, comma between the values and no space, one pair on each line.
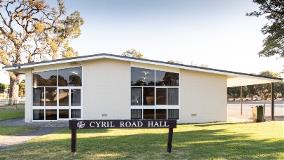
[156,106]
[57,107]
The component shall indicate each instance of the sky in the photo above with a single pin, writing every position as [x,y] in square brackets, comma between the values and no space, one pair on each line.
[199,32]
[205,32]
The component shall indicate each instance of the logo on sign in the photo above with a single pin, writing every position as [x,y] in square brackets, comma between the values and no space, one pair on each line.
[81,124]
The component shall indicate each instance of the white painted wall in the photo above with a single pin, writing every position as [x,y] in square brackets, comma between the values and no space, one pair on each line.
[106,89]
[203,97]
[28,93]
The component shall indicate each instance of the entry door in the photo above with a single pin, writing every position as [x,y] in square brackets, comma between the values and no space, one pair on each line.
[69,103]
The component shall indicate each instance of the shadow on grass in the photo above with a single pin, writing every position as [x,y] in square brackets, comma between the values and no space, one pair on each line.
[66,130]
[220,123]
[201,144]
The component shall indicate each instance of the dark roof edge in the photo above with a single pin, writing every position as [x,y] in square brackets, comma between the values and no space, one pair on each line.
[143,59]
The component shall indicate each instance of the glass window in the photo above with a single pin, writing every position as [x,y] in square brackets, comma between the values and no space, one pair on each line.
[51,114]
[70,77]
[75,113]
[148,96]
[47,78]
[63,97]
[63,113]
[173,96]
[173,114]
[136,113]
[136,96]
[167,78]
[50,96]
[161,96]
[142,77]
[148,114]
[38,114]
[38,96]
[75,97]
[161,114]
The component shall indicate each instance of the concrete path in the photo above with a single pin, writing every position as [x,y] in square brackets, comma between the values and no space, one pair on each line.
[234,112]
[6,141]
[43,129]
[21,122]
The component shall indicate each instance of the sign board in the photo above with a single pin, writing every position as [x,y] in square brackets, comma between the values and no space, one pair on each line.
[74,125]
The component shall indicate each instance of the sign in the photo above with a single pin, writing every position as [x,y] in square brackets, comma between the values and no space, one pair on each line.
[92,124]
[74,125]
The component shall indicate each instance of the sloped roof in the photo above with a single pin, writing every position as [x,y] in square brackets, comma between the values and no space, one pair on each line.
[234,78]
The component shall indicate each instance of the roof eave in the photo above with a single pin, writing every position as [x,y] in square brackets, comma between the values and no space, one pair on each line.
[139,60]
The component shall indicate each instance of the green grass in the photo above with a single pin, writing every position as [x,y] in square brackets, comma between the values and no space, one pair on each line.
[14,130]
[200,141]
[11,112]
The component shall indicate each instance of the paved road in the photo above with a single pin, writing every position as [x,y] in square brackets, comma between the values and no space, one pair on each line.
[257,102]
[234,112]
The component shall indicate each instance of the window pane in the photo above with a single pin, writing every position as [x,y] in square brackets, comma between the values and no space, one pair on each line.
[47,78]
[70,77]
[63,97]
[161,114]
[161,96]
[51,114]
[148,114]
[167,78]
[173,114]
[136,113]
[173,96]
[63,113]
[50,96]
[75,113]
[136,96]
[38,96]
[148,96]
[75,97]
[142,77]
[38,114]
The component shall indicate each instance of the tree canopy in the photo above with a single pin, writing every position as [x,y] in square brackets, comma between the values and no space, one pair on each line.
[31,30]
[133,53]
[273,10]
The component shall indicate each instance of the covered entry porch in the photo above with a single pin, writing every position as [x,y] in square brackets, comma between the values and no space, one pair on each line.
[240,108]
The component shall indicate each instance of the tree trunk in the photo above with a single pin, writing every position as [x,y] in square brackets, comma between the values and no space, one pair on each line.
[14,88]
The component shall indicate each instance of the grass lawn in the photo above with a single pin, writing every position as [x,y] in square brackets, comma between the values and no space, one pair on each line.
[199,141]
[14,130]
[11,112]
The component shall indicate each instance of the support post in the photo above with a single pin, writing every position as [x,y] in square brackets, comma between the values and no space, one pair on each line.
[170,139]
[241,95]
[272,102]
[73,141]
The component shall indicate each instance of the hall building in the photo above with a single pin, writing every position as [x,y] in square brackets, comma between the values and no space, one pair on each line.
[107,86]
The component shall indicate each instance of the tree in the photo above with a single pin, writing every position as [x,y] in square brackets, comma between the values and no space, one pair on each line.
[31,31]
[233,92]
[274,12]
[252,91]
[264,90]
[22,89]
[175,61]
[2,87]
[133,53]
